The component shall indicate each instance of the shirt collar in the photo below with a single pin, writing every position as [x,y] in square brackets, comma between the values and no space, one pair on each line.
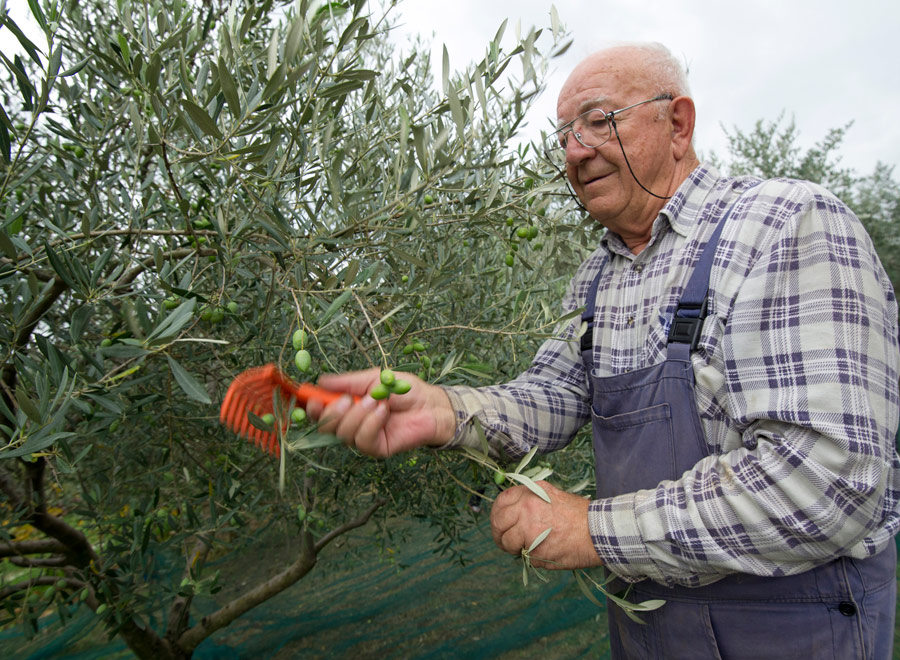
[680,213]
[683,210]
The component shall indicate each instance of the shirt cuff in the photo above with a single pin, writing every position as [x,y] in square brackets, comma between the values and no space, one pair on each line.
[466,403]
[618,540]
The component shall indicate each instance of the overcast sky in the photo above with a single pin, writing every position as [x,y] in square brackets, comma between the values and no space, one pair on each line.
[824,62]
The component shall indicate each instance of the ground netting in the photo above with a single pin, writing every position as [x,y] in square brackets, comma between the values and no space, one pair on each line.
[400,602]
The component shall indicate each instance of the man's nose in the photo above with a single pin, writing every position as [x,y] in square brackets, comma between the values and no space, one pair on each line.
[577,152]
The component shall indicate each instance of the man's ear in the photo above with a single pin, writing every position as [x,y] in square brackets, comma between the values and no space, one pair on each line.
[682,115]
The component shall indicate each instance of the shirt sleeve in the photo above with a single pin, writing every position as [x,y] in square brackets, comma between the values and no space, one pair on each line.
[546,405]
[808,356]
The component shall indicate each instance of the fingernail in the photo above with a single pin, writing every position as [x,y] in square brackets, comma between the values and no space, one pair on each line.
[368,403]
[342,405]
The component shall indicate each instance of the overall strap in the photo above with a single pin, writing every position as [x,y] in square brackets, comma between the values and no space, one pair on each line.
[687,322]
[691,310]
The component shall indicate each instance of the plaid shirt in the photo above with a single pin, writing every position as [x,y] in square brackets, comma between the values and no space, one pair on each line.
[796,384]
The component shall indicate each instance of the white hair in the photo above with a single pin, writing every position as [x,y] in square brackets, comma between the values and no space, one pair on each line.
[665,74]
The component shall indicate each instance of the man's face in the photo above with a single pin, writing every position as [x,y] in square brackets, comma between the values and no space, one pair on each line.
[600,176]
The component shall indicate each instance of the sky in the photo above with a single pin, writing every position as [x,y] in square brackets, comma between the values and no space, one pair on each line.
[821,62]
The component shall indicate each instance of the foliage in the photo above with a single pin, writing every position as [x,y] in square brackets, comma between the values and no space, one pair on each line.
[183,185]
[771,149]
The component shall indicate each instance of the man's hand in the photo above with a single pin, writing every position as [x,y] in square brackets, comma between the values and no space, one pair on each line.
[518,516]
[421,417]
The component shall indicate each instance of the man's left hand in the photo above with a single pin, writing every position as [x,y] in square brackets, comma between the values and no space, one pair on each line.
[518,516]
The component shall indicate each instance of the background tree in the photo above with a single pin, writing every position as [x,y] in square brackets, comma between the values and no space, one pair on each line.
[771,149]
[183,185]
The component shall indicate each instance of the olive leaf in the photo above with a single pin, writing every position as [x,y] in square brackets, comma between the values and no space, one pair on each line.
[530,485]
[187,382]
[539,539]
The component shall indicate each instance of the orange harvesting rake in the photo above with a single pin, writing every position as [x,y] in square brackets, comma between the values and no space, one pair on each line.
[256,391]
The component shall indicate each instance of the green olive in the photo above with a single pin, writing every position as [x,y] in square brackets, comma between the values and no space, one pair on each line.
[418,346]
[380,391]
[303,360]
[301,513]
[298,340]
[232,307]
[387,377]
[170,303]
[404,279]
[298,415]
[217,315]
[268,419]
[510,221]
[428,199]
[522,232]
[400,386]
[106,342]
[510,259]
[499,477]
[409,348]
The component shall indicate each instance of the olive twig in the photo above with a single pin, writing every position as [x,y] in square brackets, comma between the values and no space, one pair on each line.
[384,357]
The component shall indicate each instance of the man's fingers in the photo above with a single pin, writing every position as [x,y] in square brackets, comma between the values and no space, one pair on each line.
[353,382]
[369,435]
[330,416]
[505,512]
[513,541]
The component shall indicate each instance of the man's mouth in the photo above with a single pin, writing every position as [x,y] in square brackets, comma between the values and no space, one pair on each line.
[587,182]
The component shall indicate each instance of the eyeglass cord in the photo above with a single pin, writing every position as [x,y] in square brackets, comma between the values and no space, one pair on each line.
[565,178]
[633,176]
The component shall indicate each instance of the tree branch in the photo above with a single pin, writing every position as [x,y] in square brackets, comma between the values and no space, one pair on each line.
[25,585]
[180,610]
[359,521]
[22,548]
[75,544]
[225,615]
[39,562]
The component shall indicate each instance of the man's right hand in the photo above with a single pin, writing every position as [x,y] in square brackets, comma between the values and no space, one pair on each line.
[421,417]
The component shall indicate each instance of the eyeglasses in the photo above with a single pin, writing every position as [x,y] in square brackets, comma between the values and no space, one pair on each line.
[592,129]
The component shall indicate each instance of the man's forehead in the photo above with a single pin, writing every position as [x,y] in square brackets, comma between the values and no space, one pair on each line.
[583,106]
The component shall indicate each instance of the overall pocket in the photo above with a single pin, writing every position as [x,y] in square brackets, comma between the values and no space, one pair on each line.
[633,450]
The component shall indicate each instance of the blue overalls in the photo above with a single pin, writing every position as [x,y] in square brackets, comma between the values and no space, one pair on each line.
[646,429]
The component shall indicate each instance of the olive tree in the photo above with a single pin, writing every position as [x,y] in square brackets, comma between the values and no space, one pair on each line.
[771,149]
[182,186]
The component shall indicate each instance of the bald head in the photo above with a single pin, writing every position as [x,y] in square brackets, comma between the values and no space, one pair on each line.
[626,192]
[648,68]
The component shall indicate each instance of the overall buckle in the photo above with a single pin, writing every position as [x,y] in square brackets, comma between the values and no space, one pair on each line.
[687,324]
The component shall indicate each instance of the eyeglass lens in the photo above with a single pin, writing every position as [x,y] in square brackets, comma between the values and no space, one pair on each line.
[592,130]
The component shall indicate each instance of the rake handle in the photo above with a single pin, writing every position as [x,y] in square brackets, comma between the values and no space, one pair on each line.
[306,392]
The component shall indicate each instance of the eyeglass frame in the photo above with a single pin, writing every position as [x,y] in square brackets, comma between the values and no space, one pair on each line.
[608,116]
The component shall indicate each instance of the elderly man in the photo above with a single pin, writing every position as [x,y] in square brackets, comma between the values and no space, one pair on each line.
[740,370]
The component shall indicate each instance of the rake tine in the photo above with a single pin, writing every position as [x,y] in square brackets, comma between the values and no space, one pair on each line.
[262,390]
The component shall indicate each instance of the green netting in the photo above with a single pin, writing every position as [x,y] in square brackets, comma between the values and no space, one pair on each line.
[409,603]
[405,602]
